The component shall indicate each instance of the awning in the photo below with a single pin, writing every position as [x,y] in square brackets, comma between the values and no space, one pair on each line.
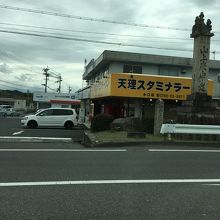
[73,102]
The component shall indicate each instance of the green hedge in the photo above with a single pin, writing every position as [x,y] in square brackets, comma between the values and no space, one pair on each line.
[101,122]
[148,124]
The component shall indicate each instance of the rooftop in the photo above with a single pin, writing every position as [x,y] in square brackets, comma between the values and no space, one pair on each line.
[109,56]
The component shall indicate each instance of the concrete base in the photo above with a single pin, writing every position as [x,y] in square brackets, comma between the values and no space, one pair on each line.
[198,109]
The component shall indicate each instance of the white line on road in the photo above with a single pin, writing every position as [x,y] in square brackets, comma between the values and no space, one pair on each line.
[34,139]
[212,184]
[16,133]
[31,138]
[176,150]
[66,150]
[90,182]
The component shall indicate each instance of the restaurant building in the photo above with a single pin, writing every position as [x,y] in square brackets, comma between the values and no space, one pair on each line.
[127,84]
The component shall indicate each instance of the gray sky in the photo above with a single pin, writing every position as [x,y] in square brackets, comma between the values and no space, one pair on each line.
[22,57]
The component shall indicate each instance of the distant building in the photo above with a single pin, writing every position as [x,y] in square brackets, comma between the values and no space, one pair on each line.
[17,104]
[63,100]
[127,84]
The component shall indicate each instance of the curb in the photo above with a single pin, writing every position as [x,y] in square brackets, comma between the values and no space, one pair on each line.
[89,140]
[154,144]
[35,139]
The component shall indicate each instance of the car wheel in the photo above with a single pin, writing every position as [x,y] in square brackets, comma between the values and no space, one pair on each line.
[69,125]
[32,124]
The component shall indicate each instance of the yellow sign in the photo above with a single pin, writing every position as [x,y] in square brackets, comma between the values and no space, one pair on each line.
[145,86]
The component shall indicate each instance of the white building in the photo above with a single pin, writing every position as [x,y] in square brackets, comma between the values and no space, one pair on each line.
[63,100]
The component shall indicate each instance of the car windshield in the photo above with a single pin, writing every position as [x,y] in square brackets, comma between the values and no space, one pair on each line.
[109,109]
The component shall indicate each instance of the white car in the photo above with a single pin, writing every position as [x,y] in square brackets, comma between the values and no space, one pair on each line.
[51,117]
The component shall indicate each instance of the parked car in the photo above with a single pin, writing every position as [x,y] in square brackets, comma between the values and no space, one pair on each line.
[12,112]
[51,117]
[5,107]
[2,113]
[5,110]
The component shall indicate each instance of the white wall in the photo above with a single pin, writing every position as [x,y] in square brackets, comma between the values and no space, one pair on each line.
[116,68]
[59,105]
[20,104]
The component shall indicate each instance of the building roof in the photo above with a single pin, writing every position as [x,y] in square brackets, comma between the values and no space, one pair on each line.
[7,100]
[109,56]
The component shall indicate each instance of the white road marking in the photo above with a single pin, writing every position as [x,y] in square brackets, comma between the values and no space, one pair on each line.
[31,138]
[34,139]
[176,150]
[65,150]
[212,184]
[92,182]
[16,133]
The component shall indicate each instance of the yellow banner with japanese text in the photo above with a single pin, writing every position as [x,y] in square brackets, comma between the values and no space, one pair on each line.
[144,86]
[152,86]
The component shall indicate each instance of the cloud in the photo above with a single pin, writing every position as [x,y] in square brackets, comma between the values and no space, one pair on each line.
[6,69]
[202,3]
[24,57]
[24,77]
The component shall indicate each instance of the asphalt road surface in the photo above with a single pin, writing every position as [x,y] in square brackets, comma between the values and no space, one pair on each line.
[66,181]
[11,127]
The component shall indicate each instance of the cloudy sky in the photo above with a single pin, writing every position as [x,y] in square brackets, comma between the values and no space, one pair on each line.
[163,28]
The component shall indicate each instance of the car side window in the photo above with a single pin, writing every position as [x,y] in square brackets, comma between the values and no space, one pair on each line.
[47,112]
[69,112]
[58,112]
[62,112]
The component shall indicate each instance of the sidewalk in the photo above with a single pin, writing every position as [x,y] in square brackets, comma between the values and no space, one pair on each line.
[119,139]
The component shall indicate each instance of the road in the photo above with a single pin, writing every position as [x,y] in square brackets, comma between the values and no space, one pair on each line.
[11,127]
[67,181]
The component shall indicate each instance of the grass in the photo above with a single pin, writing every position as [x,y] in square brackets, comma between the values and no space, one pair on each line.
[110,135]
[121,136]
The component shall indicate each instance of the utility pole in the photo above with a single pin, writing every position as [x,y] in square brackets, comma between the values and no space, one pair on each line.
[46,77]
[69,89]
[213,55]
[59,81]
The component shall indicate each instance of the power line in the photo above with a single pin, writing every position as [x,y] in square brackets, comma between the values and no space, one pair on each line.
[55,72]
[11,83]
[92,41]
[11,87]
[96,41]
[92,32]
[89,18]
[78,36]
[69,35]
[10,56]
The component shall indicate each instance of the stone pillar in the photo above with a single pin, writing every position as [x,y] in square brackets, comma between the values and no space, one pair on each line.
[200,64]
[201,33]
[138,108]
[158,116]
[199,107]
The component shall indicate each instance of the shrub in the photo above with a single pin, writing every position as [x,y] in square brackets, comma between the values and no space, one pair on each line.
[148,124]
[101,122]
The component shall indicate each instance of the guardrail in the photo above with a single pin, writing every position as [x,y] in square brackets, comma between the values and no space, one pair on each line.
[190,131]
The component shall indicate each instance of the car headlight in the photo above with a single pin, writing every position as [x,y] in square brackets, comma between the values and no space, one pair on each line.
[25,118]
